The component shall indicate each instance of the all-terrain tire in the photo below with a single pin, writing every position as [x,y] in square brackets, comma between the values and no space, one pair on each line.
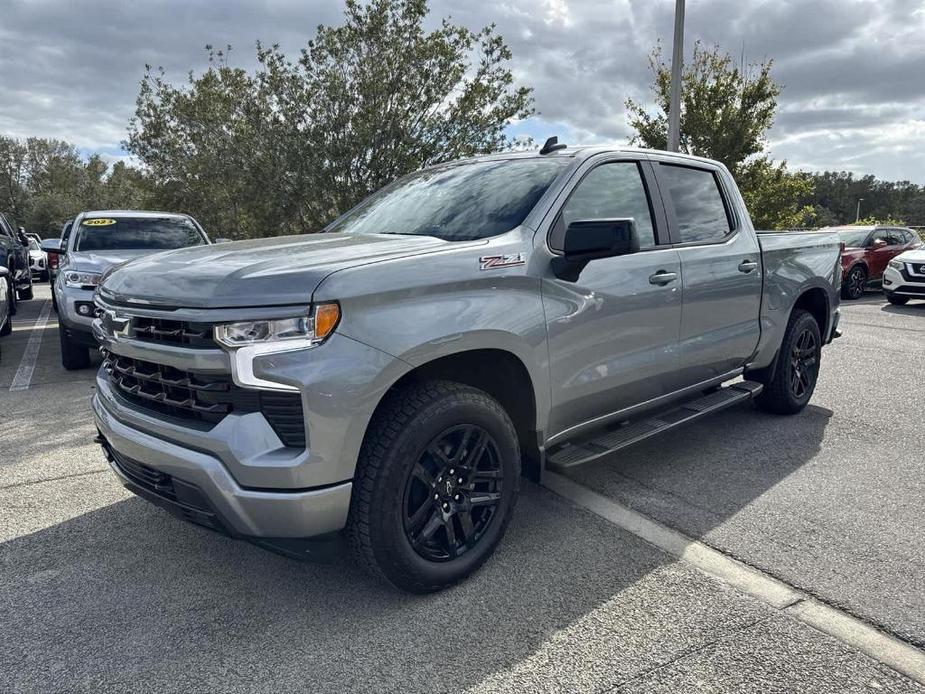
[788,391]
[407,426]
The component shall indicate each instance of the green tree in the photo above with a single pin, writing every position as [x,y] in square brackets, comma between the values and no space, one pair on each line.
[44,181]
[773,195]
[726,111]
[289,147]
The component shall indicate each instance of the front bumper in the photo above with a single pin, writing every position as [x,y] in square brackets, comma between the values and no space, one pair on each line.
[906,282]
[69,300]
[202,490]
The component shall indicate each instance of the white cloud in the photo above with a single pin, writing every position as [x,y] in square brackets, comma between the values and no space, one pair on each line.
[852,69]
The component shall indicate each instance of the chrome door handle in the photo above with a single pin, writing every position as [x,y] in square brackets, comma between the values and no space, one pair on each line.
[748,266]
[662,278]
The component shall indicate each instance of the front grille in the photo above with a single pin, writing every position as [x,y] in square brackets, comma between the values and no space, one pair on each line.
[205,398]
[909,277]
[174,332]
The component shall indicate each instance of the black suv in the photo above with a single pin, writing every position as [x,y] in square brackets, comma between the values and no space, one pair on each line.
[14,255]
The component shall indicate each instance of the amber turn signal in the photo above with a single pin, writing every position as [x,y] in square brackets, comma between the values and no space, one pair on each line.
[326,317]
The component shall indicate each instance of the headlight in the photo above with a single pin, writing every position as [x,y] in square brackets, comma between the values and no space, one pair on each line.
[897,264]
[310,330]
[82,279]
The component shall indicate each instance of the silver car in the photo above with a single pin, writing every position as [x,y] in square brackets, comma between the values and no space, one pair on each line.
[98,241]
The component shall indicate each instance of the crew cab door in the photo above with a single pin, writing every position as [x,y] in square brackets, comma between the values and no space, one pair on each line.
[613,333]
[721,270]
[879,254]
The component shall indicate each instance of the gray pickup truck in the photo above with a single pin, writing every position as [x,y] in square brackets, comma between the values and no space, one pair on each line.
[389,380]
[93,243]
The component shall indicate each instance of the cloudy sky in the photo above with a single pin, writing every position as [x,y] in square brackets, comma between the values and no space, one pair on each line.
[853,70]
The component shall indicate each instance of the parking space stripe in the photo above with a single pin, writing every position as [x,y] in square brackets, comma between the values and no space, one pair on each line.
[848,629]
[23,377]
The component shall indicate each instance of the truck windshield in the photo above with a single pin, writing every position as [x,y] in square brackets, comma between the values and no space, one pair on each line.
[456,203]
[136,233]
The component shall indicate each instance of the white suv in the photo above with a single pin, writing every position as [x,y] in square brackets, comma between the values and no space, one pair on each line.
[904,277]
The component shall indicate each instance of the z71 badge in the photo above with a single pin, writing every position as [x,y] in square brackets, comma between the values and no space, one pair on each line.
[493,262]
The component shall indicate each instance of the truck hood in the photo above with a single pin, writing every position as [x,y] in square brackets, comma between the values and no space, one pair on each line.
[261,272]
[100,261]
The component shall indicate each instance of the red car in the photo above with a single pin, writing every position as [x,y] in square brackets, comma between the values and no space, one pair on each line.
[865,251]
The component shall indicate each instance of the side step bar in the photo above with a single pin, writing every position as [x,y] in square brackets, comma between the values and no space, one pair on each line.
[614,438]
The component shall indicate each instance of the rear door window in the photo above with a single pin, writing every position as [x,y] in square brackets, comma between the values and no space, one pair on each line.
[699,208]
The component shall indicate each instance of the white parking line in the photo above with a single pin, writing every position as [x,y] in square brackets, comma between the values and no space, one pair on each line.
[23,377]
[848,629]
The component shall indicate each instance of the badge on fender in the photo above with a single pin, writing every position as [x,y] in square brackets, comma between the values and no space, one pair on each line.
[493,262]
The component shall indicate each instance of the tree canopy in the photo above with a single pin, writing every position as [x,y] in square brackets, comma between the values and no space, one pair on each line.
[726,111]
[288,147]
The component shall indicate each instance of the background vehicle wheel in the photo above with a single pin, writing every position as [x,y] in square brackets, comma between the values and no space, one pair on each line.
[11,295]
[897,300]
[852,286]
[73,355]
[794,380]
[436,484]
[26,294]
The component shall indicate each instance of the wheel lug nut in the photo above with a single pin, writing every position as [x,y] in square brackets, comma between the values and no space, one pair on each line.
[452,472]
[456,498]
[440,479]
[460,480]
[436,497]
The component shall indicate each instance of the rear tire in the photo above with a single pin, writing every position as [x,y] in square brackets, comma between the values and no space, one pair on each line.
[897,300]
[413,523]
[788,391]
[74,356]
[852,286]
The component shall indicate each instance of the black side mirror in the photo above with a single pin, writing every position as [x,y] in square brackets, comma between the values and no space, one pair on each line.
[21,237]
[590,239]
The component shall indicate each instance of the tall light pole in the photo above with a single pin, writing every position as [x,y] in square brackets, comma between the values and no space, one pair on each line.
[857,217]
[674,96]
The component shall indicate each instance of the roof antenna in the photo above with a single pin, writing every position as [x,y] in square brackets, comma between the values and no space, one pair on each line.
[552,144]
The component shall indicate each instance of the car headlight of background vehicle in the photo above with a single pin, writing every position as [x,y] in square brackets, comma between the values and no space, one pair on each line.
[85,280]
[249,339]
[897,264]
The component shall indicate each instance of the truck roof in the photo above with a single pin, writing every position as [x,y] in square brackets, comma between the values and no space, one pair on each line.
[583,152]
[131,213]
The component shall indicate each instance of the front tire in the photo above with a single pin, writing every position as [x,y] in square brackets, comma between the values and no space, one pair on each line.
[74,355]
[852,286]
[27,293]
[436,484]
[794,380]
[897,300]
[7,326]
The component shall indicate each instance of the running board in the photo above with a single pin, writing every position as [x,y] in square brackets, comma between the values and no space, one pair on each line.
[606,441]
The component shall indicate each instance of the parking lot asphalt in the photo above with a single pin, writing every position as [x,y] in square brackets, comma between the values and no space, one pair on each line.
[100,591]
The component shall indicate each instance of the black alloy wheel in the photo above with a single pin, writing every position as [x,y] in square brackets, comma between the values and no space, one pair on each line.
[803,364]
[452,493]
[854,283]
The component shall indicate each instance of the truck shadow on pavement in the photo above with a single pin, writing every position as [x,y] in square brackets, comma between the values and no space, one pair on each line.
[125,597]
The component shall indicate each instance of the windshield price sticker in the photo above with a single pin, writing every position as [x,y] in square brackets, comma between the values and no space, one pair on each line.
[98,222]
